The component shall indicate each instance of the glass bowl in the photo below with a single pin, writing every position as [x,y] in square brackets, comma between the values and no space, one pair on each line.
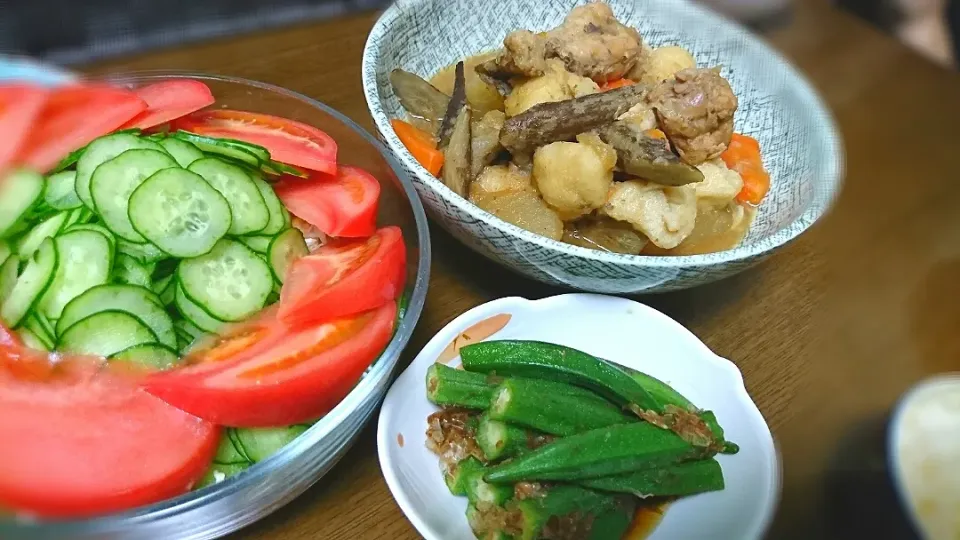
[217,510]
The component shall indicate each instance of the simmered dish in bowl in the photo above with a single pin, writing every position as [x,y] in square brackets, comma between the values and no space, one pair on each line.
[585,134]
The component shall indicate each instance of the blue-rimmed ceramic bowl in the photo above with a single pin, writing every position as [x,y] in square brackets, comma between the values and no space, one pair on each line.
[222,508]
[802,149]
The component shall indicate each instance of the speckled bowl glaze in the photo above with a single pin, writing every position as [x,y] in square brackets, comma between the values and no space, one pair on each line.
[802,149]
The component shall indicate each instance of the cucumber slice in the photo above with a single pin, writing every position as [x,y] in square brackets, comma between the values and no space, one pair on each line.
[19,194]
[129,271]
[100,229]
[60,192]
[35,280]
[278,213]
[105,334]
[230,283]
[249,211]
[180,213]
[74,156]
[32,340]
[161,285]
[195,314]
[168,295]
[39,331]
[137,301]
[150,355]
[260,244]
[5,252]
[8,276]
[227,452]
[286,247]
[100,151]
[248,154]
[46,229]
[114,181]
[277,168]
[78,216]
[45,326]
[143,253]
[84,262]
[261,443]
[219,472]
[185,153]
[188,333]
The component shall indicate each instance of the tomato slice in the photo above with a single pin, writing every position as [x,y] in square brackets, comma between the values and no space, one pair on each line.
[94,442]
[344,277]
[75,115]
[298,376]
[169,100]
[288,141]
[343,205]
[20,104]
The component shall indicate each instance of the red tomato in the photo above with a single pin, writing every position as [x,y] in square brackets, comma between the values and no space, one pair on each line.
[75,115]
[344,277]
[20,105]
[344,205]
[288,141]
[83,441]
[283,378]
[169,100]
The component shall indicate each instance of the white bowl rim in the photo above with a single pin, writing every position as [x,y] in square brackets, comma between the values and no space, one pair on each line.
[893,436]
[832,171]
[450,330]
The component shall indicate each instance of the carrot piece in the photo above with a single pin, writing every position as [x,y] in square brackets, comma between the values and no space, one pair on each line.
[616,83]
[743,156]
[420,144]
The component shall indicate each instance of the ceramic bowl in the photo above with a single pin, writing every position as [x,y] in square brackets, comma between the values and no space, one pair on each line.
[225,507]
[802,149]
[619,330]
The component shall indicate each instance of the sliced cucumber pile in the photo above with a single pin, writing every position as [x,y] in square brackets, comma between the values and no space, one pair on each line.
[138,246]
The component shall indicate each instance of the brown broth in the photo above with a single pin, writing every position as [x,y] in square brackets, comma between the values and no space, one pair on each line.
[646,519]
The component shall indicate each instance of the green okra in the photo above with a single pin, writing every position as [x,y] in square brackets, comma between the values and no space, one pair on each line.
[451,387]
[539,360]
[613,523]
[579,505]
[480,492]
[477,523]
[600,452]
[459,475]
[523,402]
[500,440]
[677,480]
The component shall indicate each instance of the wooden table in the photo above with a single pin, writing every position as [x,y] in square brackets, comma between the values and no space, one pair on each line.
[828,333]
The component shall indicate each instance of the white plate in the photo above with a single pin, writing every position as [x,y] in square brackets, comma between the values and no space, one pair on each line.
[620,330]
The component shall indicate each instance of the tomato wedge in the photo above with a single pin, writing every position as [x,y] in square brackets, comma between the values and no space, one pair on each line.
[342,205]
[81,442]
[20,104]
[344,277]
[169,100]
[72,117]
[284,378]
[288,141]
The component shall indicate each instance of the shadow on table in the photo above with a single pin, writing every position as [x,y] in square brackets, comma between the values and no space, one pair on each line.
[861,499]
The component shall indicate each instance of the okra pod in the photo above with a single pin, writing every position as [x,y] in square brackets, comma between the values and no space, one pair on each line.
[678,480]
[600,452]
[572,508]
[458,476]
[481,521]
[615,522]
[480,492]
[522,402]
[451,387]
[500,440]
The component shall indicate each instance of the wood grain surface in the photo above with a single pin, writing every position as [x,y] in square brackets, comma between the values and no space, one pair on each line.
[828,333]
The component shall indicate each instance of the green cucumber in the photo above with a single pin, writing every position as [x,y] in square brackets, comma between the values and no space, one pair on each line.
[115,180]
[140,302]
[100,151]
[185,153]
[523,402]
[218,472]
[195,314]
[84,262]
[5,251]
[60,192]
[279,217]
[677,480]
[260,443]
[8,277]
[180,213]
[33,341]
[129,271]
[45,229]
[260,244]
[248,154]
[249,211]
[100,229]
[105,334]
[601,452]
[151,355]
[451,387]
[20,192]
[40,331]
[227,452]
[32,284]
[230,282]
[286,248]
